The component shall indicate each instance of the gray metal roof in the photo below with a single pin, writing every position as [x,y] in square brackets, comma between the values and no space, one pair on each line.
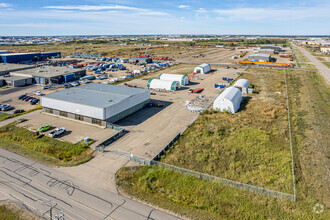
[12,67]
[49,71]
[14,77]
[260,55]
[96,94]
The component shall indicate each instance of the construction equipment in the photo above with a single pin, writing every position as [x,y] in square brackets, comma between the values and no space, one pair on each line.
[272,64]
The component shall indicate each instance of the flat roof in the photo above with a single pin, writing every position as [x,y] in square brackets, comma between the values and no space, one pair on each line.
[96,94]
[49,71]
[11,77]
[10,66]
[259,55]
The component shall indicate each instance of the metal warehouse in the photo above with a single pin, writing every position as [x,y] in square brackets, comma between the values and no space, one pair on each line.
[15,81]
[260,57]
[27,57]
[182,79]
[140,60]
[6,68]
[271,46]
[266,51]
[96,103]
[45,74]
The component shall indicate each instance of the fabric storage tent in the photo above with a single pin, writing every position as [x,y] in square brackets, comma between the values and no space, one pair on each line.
[169,85]
[203,68]
[242,84]
[229,100]
[182,79]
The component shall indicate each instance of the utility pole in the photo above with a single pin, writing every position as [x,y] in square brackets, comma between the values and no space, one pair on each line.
[50,209]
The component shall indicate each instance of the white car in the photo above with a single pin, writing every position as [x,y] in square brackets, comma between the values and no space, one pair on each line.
[38,93]
[56,132]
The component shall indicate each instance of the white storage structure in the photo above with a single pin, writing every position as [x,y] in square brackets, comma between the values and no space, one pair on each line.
[182,79]
[229,100]
[159,84]
[203,68]
[243,85]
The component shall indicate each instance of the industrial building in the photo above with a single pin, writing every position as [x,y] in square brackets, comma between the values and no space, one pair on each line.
[159,84]
[266,51]
[182,79]
[277,49]
[27,57]
[229,100]
[96,103]
[140,60]
[242,85]
[3,51]
[325,50]
[6,68]
[45,75]
[203,68]
[15,81]
[260,57]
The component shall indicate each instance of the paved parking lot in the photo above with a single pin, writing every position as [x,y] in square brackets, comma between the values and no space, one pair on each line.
[75,131]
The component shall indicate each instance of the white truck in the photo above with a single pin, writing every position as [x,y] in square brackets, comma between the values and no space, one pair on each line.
[56,132]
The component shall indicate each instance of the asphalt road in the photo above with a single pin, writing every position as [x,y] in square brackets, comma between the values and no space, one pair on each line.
[39,187]
[324,70]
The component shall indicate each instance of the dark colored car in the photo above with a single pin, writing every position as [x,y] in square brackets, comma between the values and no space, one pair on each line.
[18,111]
[21,97]
[35,101]
[7,108]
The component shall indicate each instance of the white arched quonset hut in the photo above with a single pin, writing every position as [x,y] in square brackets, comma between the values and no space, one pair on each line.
[203,68]
[243,85]
[159,84]
[229,100]
[182,79]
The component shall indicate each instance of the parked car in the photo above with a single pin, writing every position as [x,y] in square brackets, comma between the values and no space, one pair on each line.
[47,87]
[18,111]
[34,101]
[56,132]
[74,84]
[27,98]
[21,97]
[66,85]
[44,128]
[7,108]
[38,93]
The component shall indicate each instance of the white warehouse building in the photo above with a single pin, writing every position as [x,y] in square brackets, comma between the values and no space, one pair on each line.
[229,100]
[203,68]
[182,79]
[243,85]
[96,103]
[159,84]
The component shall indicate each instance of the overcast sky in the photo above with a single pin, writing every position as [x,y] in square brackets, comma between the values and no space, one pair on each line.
[117,17]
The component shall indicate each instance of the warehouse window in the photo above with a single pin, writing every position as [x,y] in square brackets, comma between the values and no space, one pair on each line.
[64,114]
[79,117]
[96,121]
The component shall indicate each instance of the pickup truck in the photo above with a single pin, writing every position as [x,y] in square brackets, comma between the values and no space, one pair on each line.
[56,132]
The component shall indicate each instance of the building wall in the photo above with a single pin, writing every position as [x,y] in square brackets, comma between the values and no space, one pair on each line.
[127,112]
[73,108]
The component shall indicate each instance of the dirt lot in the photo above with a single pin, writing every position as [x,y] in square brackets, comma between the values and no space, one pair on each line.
[75,131]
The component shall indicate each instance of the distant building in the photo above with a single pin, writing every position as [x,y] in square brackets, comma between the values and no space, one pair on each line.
[266,51]
[15,81]
[96,103]
[27,57]
[259,57]
[325,50]
[6,68]
[46,75]
[277,49]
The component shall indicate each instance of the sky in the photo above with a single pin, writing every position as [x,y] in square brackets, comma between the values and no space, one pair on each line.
[142,17]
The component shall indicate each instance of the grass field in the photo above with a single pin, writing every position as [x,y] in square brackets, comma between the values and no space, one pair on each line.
[9,211]
[198,199]
[5,116]
[302,61]
[43,148]
[327,64]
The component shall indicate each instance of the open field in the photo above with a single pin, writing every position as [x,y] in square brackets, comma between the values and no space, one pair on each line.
[11,211]
[197,199]
[43,148]
[302,61]
[251,146]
